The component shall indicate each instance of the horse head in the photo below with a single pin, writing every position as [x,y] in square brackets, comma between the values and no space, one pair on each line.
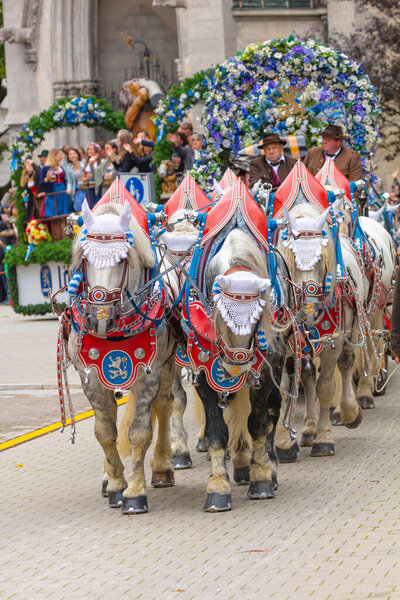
[310,255]
[241,298]
[110,251]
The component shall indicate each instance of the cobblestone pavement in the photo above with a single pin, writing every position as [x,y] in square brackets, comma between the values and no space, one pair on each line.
[332,532]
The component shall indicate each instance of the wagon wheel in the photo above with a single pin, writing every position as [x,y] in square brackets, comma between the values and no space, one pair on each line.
[383,375]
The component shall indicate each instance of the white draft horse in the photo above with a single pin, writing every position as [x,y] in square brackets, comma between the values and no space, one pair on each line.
[244,420]
[116,269]
[310,255]
[379,298]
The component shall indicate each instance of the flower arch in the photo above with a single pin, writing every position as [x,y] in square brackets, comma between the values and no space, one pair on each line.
[289,86]
[286,85]
[66,112]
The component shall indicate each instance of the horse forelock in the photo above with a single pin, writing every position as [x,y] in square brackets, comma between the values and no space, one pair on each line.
[240,250]
[327,262]
[141,252]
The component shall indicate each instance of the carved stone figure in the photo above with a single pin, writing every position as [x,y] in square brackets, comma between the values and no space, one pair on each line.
[139,98]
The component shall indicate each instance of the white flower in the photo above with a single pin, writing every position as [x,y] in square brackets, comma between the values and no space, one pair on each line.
[197,95]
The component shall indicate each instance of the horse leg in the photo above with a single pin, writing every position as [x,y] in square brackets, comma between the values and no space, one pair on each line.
[287,448]
[240,444]
[274,408]
[365,388]
[180,451]
[105,430]
[145,391]
[308,379]
[260,425]
[350,412]
[162,467]
[323,444]
[216,433]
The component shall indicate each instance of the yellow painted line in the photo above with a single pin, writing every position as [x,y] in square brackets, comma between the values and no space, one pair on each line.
[50,428]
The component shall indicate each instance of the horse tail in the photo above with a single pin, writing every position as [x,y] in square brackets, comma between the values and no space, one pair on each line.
[236,415]
[123,443]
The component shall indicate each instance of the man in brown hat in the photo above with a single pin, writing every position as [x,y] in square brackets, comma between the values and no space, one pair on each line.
[274,166]
[346,160]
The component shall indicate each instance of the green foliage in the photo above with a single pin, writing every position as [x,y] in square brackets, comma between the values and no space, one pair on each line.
[41,254]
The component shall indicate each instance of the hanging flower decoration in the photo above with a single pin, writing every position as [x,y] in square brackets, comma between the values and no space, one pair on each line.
[254,90]
[176,105]
[37,232]
[66,112]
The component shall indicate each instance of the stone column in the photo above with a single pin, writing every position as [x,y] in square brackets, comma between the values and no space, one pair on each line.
[74,55]
[206,34]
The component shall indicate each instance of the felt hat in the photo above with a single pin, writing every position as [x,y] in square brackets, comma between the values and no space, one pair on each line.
[271,138]
[333,131]
[44,153]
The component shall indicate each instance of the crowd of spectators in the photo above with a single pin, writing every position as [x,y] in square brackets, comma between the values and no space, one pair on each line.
[61,179]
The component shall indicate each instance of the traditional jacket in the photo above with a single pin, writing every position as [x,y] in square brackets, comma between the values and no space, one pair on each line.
[395,323]
[260,169]
[347,161]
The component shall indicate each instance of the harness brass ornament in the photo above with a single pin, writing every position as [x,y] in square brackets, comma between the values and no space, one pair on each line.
[103,313]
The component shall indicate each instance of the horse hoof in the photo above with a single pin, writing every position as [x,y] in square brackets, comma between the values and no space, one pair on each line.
[201,445]
[274,481]
[182,461]
[307,440]
[218,502]
[104,485]
[261,490]
[354,424]
[335,417]
[134,506]
[322,449]
[115,499]
[161,479]
[365,403]
[288,455]
[241,475]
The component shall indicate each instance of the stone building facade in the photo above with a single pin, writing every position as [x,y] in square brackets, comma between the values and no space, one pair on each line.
[57,48]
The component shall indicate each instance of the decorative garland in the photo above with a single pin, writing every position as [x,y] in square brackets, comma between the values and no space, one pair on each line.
[66,112]
[173,109]
[29,309]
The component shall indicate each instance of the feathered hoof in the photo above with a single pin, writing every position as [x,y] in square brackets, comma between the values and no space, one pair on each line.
[365,402]
[161,479]
[241,475]
[134,506]
[202,446]
[217,502]
[354,424]
[104,485]
[307,440]
[182,461]
[335,417]
[274,481]
[322,449]
[288,455]
[261,490]
[115,499]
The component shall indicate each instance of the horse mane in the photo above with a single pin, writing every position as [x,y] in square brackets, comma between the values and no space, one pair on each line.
[141,250]
[245,253]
